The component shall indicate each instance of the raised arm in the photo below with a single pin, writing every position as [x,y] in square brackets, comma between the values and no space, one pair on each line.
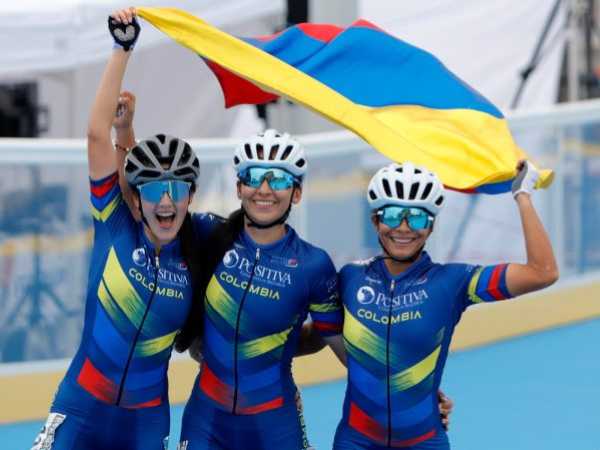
[101,156]
[540,270]
[124,141]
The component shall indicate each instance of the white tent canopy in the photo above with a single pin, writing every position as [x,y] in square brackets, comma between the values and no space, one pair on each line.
[62,45]
[52,35]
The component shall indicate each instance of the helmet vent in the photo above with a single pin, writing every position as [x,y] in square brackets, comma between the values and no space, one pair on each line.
[154,149]
[287,152]
[183,172]
[148,174]
[142,157]
[248,151]
[399,169]
[273,152]
[186,154]
[440,200]
[386,187]
[172,148]
[301,162]
[161,138]
[260,152]
[372,195]
[427,191]
[413,191]
[236,160]
[418,170]
[399,189]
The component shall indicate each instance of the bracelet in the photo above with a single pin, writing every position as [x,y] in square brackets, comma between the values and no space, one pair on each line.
[121,148]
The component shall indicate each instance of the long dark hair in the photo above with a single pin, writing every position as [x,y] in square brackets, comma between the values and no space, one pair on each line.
[202,254]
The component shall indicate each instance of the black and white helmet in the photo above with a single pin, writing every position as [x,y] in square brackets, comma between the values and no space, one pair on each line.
[406,185]
[161,157]
[271,149]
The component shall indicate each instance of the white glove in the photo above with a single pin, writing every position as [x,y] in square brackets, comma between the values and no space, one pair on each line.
[526,179]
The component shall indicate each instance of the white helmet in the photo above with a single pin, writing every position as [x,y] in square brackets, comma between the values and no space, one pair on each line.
[406,185]
[271,149]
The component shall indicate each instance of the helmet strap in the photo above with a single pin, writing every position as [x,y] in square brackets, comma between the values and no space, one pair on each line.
[281,220]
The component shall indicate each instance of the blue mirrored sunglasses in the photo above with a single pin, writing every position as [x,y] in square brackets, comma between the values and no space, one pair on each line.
[417,218]
[154,190]
[278,179]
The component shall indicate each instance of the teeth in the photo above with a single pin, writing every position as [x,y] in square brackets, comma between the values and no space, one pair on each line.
[165,214]
[401,240]
[264,203]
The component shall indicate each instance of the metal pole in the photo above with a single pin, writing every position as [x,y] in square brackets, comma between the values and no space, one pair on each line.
[533,62]
[573,60]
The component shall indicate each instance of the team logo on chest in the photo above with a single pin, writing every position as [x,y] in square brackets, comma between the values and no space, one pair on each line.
[139,256]
[365,295]
[231,259]
[272,274]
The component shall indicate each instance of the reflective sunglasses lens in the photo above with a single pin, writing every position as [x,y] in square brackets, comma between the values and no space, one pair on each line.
[150,192]
[418,222]
[278,179]
[281,183]
[392,217]
[154,190]
[178,190]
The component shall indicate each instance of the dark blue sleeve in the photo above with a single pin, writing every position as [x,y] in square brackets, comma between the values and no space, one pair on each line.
[325,307]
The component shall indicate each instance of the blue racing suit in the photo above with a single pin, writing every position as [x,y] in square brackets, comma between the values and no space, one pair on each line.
[244,396]
[114,394]
[397,331]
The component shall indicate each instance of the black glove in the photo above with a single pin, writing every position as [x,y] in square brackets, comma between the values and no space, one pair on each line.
[125,36]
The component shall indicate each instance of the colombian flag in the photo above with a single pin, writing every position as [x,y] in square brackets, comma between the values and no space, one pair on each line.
[400,99]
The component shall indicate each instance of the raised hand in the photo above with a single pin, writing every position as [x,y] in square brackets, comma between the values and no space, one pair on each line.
[124,28]
[125,111]
[526,178]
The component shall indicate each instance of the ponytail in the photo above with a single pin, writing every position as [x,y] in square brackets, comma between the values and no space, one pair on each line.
[202,255]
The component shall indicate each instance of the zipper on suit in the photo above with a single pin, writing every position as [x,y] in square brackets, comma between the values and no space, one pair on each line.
[237,334]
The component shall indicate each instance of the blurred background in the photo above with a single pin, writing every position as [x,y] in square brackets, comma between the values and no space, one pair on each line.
[527,370]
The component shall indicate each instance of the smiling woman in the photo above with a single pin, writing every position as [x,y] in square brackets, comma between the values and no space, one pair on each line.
[400,309]
[140,292]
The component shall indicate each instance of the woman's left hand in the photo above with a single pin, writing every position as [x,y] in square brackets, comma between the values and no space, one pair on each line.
[445,405]
[125,111]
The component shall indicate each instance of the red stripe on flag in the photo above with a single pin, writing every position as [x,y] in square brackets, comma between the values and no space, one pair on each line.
[237,90]
[464,191]
[365,424]
[493,285]
[262,407]
[414,441]
[366,24]
[93,381]
[212,386]
[100,190]
[268,37]
[320,31]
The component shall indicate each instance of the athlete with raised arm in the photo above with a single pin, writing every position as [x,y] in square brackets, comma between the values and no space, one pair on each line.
[400,309]
[114,395]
